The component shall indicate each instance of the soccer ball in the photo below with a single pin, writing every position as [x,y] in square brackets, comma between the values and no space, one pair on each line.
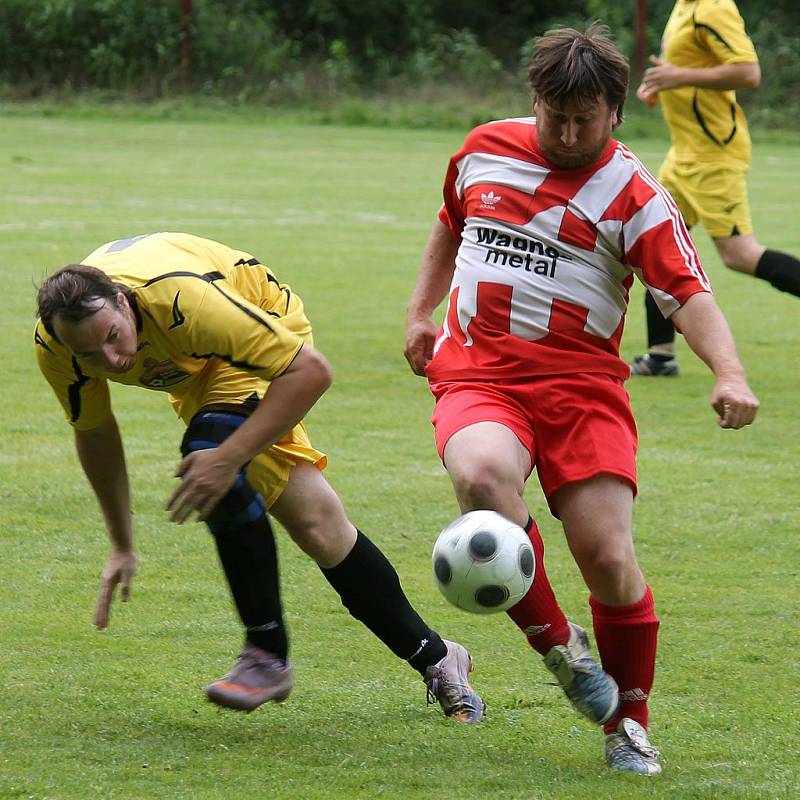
[483,562]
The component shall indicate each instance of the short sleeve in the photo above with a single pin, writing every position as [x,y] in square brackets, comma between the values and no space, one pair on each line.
[220,323]
[720,28]
[85,399]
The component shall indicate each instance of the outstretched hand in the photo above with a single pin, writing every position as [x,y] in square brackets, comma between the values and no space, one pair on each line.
[734,402]
[119,570]
[207,477]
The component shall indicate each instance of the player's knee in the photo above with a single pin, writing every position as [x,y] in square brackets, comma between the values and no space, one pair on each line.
[739,255]
[482,483]
[608,560]
[734,261]
[318,521]
[242,505]
[318,525]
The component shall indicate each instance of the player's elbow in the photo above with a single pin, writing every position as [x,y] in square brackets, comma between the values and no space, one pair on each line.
[752,77]
[317,369]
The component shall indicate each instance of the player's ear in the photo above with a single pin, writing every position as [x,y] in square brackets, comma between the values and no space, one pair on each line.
[615,116]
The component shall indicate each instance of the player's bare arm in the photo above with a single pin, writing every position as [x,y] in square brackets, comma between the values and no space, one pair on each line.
[663,76]
[435,275]
[207,475]
[102,457]
[706,331]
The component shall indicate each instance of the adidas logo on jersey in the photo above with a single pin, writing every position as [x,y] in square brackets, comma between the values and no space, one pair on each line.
[490,200]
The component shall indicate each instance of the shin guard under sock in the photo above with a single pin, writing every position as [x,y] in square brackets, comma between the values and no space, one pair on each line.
[370,590]
[626,639]
[538,614]
[660,330]
[250,561]
[244,539]
[781,270]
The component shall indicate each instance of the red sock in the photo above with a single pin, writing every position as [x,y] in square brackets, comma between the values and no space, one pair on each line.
[626,640]
[538,614]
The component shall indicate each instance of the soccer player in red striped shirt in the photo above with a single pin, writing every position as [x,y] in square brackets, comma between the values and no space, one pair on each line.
[546,220]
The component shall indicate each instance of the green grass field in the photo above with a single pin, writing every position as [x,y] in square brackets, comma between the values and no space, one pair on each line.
[342,215]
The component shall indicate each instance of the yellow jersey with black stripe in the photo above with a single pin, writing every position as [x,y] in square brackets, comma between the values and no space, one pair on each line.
[214,326]
[706,124]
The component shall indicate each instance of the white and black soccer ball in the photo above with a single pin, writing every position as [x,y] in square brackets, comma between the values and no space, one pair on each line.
[483,563]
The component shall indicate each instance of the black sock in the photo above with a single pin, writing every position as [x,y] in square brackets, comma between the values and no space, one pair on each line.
[371,592]
[659,329]
[781,270]
[250,561]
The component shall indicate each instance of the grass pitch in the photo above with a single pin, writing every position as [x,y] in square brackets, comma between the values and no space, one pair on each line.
[342,215]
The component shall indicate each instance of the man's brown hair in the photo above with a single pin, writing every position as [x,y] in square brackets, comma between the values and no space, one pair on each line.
[71,293]
[568,65]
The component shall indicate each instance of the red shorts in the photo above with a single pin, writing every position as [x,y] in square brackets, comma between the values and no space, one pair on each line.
[573,426]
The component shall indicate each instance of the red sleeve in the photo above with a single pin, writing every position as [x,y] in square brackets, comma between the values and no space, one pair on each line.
[452,213]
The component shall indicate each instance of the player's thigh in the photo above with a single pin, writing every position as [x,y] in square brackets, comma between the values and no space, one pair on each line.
[584,428]
[223,386]
[487,452]
[314,516]
[741,253]
[596,514]
[308,500]
[482,434]
[720,195]
[269,472]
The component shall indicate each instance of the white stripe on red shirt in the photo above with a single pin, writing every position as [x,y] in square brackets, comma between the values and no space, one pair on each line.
[547,257]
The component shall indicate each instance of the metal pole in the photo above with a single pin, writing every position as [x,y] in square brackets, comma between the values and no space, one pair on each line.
[640,37]
[186,43]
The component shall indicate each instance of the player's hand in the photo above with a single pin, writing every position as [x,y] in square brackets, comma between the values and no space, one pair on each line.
[647,95]
[734,402]
[119,570]
[420,337]
[661,77]
[207,477]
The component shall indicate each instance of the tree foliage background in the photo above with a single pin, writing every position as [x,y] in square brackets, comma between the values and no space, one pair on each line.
[314,51]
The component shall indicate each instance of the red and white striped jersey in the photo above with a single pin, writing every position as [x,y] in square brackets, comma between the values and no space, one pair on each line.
[547,257]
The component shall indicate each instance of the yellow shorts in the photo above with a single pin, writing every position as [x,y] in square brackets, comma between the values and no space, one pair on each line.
[712,194]
[268,472]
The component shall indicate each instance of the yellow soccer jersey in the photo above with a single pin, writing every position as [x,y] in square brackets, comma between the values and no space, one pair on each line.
[214,326]
[706,124]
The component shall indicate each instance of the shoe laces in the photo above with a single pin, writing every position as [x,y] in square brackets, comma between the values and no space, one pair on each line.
[437,684]
[636,739]
[254,659]
[450,694]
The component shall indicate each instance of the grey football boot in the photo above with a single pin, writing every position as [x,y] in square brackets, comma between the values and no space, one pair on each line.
[629,750]
[590,689]
[448,684]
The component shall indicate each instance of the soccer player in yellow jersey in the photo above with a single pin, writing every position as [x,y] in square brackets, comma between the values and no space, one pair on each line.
[706,56]
[231,346]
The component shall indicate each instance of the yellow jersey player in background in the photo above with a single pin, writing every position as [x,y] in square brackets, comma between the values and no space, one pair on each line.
[214,329]
[706,55]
